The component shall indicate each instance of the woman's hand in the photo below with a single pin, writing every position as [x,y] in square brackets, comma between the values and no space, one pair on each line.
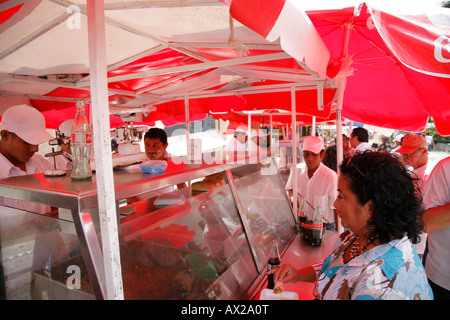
[287,273]
[284,273]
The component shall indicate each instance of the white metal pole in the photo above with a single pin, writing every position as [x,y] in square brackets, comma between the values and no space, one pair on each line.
[342,83]
[313,133]
[188,130]
[270,135]
[249,132]
[294,151]
[102,146]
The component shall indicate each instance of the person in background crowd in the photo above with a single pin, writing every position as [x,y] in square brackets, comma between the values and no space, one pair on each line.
[348,149]
[430,141]
[315,181]
[359,140]
[376,140]
[330,158]
[385,145]
[22,130]
[436,200]
[239,140]
[257,145]
[374,259]
[155,144]
[398,142]
[414,153]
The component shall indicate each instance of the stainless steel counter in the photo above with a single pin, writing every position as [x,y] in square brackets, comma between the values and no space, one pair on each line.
[252,201]
[63,192]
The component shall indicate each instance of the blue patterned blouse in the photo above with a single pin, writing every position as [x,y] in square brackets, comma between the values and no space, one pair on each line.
[392,271]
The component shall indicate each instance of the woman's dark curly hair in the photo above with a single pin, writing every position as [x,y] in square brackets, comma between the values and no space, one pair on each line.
[396,199]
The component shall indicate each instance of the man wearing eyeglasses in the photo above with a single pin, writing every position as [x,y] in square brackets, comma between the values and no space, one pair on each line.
[414,153]
[315,181]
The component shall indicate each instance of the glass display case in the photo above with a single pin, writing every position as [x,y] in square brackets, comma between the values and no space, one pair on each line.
[175,243]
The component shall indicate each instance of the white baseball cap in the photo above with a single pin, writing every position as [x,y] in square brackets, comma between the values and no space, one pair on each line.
[27,123]
[313,144]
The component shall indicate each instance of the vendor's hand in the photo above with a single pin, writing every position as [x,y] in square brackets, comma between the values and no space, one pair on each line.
[284,273]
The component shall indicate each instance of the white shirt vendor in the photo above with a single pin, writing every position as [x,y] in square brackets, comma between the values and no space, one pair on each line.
[37,164]
[436,193]
[321,189]
[315,181]
[23,130]
[154,193]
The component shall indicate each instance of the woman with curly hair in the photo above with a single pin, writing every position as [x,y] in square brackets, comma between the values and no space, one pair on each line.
[381,207]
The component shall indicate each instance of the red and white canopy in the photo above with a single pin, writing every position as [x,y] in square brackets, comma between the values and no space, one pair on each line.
[161,54]
[398,66]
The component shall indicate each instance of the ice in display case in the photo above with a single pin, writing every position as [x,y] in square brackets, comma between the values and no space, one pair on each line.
[212,245]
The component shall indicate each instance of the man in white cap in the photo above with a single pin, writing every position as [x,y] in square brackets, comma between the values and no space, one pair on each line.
[22,130]
[315,181]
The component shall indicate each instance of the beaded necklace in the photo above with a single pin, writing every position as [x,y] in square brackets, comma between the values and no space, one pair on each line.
[356,248]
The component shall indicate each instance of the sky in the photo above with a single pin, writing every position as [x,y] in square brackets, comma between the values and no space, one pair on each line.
[401,6]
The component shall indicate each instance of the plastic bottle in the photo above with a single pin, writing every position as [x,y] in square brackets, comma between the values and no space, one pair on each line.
[81,145]
[274,262]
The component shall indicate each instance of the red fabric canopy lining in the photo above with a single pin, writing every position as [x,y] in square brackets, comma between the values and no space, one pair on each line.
[382,90]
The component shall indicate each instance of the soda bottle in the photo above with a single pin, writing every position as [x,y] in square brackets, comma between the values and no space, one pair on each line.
[317,228]
[302,214]
[81,145]
[273,263]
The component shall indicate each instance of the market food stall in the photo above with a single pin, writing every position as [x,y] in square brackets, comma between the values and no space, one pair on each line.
[196,63]
[213,245]
[188,59]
